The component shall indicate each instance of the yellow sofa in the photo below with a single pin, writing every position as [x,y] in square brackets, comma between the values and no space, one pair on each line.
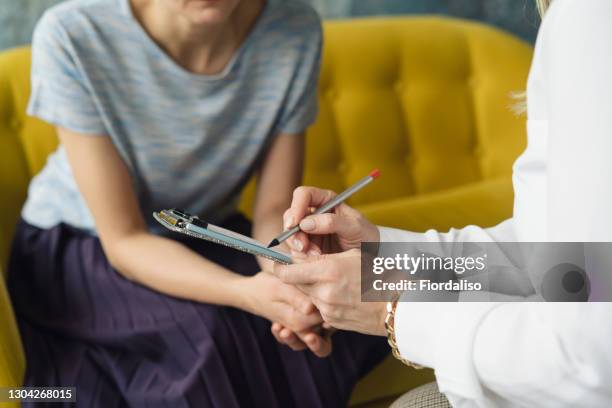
[424,99]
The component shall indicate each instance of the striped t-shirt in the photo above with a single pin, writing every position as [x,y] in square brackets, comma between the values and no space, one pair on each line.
[189,141]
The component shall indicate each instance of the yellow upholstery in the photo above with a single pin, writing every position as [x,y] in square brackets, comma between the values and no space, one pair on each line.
[426,100]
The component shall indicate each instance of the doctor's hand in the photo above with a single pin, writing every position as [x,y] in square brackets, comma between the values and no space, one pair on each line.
[333,283]
[341,229]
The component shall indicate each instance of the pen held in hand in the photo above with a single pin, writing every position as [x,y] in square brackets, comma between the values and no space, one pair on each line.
[340,198]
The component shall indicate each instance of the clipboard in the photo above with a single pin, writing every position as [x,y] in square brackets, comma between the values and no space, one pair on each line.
[184,223]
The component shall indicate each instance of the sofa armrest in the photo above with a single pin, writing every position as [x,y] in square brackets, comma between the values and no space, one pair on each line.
[12,359]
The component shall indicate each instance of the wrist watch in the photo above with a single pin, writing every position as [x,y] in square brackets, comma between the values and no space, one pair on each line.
[390,326]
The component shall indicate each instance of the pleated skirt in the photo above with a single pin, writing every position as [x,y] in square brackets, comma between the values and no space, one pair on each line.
[124,345]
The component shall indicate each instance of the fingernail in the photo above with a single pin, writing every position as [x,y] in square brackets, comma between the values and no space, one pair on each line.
[298,244]
[313,252]
[307,224]
[289,221]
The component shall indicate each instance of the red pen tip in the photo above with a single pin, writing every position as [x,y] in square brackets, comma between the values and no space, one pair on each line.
[375,173]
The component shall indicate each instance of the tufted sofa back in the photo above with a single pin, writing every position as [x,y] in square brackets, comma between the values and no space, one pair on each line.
[426,100]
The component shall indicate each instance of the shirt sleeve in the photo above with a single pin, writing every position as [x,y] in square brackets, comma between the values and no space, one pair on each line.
[499,233]
[510,353]
[578,66]
[302,104]
[544,354]
[61,93]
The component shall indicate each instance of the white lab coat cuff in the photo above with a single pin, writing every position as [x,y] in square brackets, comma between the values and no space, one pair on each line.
[441,336]
[395,235]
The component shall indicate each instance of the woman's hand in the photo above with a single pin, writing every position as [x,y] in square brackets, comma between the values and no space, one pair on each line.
[341,229]
[317,340]
[265,295]
[296,320]
[333,282]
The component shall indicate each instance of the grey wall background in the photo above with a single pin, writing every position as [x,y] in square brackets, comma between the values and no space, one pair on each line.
[517,16]
[18,17]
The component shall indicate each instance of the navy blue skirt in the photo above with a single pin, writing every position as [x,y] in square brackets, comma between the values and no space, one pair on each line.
[124,345]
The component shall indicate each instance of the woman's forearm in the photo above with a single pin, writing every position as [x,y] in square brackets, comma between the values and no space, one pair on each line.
[281,173]
[171,268]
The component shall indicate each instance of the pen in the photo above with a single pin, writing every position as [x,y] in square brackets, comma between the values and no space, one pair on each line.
[330,204]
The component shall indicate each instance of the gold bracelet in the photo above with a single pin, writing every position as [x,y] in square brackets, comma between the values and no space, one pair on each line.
[390,326]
